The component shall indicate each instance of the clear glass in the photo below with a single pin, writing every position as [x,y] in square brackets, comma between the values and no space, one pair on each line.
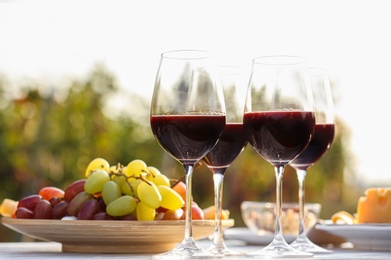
[231,143]
[319,145]
[279,122]
[187,117]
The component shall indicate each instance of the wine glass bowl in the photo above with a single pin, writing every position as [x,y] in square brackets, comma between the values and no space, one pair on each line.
[187,109]
[187,117]
[232,140]
[279,122]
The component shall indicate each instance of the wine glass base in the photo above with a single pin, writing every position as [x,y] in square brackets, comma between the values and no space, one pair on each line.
[222,250]
[188,249]
[278,248]
[306,245]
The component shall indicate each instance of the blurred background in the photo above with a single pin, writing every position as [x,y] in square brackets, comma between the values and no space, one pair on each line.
[76,79]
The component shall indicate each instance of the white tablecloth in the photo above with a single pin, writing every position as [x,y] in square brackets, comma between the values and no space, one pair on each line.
[51,250]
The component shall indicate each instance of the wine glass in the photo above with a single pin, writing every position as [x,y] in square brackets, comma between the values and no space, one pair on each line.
[230,144]
[318,146]
[187,117]
[279,121]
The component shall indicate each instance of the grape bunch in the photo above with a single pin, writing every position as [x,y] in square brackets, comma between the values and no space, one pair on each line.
[132,192]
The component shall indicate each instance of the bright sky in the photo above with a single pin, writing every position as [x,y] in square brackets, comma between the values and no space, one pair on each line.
[48,40]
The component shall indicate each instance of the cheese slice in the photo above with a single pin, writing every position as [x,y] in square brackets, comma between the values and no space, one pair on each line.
[8,207]
[375,206]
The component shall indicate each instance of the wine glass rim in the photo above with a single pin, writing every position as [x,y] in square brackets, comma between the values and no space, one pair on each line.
[317,72]
[279,60]
[187,54]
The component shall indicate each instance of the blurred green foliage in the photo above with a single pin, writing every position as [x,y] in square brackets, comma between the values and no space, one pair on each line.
[47,138]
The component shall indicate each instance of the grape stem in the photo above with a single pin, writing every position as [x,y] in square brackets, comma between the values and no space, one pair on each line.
[198,164]
[119,172]
[178,181]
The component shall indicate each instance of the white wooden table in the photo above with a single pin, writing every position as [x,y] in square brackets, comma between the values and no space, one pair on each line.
[52,250]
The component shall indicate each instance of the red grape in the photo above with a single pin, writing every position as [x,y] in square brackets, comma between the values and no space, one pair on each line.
[54,201]
[48,193]
[73,189]
[88,209]
[43,210]
[173,214]
[103,216]
[101,203]
[29,202]
[196,211]
[23,213]
[75,204]
[60,210]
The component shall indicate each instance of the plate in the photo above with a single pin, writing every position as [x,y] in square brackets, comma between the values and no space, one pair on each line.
[316,235]
[246,235]
[112,236]
[362,236]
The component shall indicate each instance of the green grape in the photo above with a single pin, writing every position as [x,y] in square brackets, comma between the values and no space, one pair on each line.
[122,206]
[130,187]
[160,180]
[170,198]
[134,183]
[119,179]
[110,192]
[149,194]
[95,181]
[97,164]
[127,190]
[145,213]
[136,168]
[157,177]
[152,172]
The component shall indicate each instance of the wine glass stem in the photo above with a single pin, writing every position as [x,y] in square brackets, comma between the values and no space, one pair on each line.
[279,171]
[301,177]
[218,180]
[188,211]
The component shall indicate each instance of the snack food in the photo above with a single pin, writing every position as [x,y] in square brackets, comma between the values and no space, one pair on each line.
[343,217]
[375,206]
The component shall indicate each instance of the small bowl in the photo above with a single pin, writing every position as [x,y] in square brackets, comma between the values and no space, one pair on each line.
[260,217]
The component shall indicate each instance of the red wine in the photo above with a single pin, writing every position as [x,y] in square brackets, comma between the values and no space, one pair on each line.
[279,136]
[187,138]
[319,144]
[230,144]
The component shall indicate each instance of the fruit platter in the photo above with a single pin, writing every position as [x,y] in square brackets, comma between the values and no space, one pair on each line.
[112,236]
[113,209]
